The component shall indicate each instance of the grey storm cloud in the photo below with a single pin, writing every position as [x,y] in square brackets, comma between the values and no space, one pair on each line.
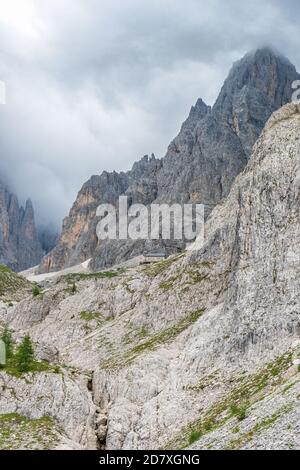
[94,85]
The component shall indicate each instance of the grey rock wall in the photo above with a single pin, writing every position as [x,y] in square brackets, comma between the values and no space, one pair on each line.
[211,149]
[19,244]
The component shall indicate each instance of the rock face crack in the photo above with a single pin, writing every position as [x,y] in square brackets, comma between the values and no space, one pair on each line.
[100,418]
[101,428]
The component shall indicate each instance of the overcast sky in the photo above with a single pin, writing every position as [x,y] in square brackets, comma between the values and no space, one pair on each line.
[97,84]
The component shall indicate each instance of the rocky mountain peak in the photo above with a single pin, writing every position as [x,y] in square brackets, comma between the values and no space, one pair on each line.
[207,341]
[197,113]
[264,70]
[28,210]
[201,163]
[144,168]
[20,246]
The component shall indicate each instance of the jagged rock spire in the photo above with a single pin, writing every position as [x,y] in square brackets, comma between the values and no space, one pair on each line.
[211,149]
[19,244]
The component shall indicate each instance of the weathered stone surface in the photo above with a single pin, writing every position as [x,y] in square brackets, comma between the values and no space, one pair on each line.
[78,240]
[200,350]
[63,399]
[19,244]
[211,149]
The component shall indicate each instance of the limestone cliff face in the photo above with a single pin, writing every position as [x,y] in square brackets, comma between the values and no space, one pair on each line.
[201,350]
[214,145]
[201,163]
[19,244]
[78,240]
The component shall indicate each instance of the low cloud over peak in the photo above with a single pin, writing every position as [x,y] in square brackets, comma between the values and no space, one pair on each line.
[95,85]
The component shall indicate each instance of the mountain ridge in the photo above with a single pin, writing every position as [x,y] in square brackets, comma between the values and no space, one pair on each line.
[201,163]
[199,351]
[20,247]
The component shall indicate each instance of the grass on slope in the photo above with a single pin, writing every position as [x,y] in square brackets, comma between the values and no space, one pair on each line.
[18,432]
[160,267]
[153,342]
[76,277]
[12,285]
[262,425]
[235,404]
[36,366]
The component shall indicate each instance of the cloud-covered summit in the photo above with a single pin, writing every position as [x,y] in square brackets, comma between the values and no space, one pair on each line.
[94,85]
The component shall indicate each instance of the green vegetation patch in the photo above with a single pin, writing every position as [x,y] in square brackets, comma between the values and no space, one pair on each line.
[96,317]
[236,403]
[18,432]
[289,386]
[161,266]
[246,437]
[76,277]
[22,359]
[90,316]
[12,367]
[205,382]
[194,437]
[196,277]
[164,336]
[136,334]
[239,411]
[36,290]
[12,285]
[4,269]
[200,273]
[169,283]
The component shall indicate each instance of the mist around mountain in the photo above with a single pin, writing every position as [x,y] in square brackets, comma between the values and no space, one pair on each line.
[20,247]
[199,351]
[211,149]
